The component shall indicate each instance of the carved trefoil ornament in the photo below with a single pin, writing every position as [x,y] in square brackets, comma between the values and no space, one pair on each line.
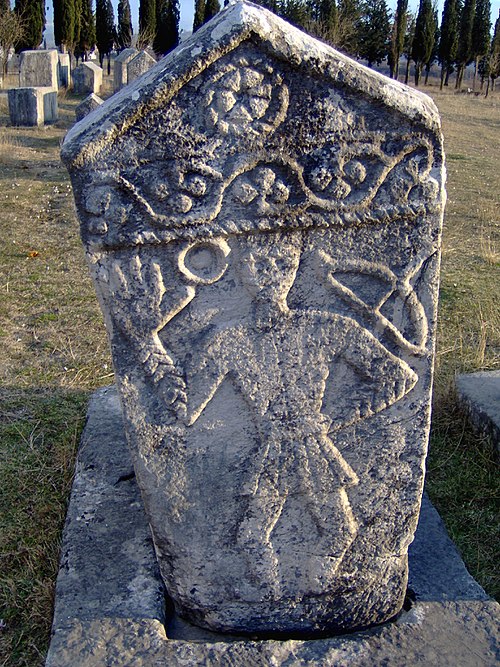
[262,221]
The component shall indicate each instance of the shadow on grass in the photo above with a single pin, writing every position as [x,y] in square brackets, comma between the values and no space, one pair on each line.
[39,435]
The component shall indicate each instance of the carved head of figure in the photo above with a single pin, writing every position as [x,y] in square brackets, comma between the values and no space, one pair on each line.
[267,265]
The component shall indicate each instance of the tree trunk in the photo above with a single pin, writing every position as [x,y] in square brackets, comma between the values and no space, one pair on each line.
[427,70]
[407,73]
[476,65]
[109,64]
[441,84]
[418,69]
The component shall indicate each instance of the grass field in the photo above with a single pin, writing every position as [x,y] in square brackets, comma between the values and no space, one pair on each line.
[53,353]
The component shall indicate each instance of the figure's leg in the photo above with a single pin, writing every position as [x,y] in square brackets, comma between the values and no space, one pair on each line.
[254,535]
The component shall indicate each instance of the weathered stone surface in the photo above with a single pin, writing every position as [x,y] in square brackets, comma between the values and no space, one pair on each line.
[107,556]
[87,78]
[32,106]
[120,67]
[139,64]
[262,219]
[38,69]
[87,105]
[64,70]
[480,394]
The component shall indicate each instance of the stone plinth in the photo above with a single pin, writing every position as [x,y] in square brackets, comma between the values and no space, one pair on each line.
[120,67]
[32,106]
[262,218]
[110,608]
[480,395]
[87,78]
[141,63]
[89,104]
[38,69]
[64,70]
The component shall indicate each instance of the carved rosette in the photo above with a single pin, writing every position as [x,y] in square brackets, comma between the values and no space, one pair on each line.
[262,220]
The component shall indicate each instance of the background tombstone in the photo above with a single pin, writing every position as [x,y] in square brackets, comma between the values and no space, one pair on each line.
[138,65]
[89,104]
[32,106]
[38,68]
[64,70]
[120,67]
[267,258]
[87,78]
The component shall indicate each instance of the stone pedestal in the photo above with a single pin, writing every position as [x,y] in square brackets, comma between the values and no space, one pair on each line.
[87,78]
[38,69]
[89,104]
[32,106]
[120,67]
[139,64]
[110,607]
[262,219]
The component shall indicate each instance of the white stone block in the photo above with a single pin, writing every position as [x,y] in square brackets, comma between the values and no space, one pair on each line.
[38,69]
[87,78]
[120,67]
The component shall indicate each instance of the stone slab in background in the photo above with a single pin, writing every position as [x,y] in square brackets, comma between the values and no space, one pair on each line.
[38,68]
[109,607]
[90,103]
[480,394]
[32,106]
[87,78]
[120,67]
[64,70]
[139,64]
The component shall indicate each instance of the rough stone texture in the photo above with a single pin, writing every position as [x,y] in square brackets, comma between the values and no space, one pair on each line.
[38,68]
[262,220]
[89,104]
[64,70]
[103,618]
[120,67]
[480,394]
[87,78]
[32,106]
[139,64]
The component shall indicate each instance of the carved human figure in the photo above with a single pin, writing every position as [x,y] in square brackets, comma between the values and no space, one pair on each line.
[282,361]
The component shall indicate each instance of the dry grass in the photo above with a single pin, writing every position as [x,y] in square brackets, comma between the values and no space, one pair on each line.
[53,351]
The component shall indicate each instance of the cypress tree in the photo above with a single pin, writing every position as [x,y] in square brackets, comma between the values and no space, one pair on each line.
[32,14]
[65,24]
[464,50]
[480,34]
[87,32]
[147,22]
[448,41]
[4,6]
[398,37]
[167,26]
[105,29]
[374,32]
[494,57]
[423,41]
[125,31]
[408,43]
[212,7]
[328,20]
[434,53]
[199,14]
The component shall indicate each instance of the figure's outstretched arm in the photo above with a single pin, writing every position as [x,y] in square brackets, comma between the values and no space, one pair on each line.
[204,375]
[383,378]
[141,307]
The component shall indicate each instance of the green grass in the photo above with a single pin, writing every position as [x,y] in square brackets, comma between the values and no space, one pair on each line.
[53,353]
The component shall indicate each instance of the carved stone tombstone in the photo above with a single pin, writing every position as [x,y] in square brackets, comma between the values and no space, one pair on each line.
[87,78]
[262,220]
[120,67]
[139,64]
[87,105]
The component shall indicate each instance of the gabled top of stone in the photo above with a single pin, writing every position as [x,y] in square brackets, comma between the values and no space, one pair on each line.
[90,65]
[233,25]
[126,55]
[310,138]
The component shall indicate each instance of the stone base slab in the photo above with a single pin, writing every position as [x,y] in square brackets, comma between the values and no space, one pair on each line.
[480,394]
[111,609]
